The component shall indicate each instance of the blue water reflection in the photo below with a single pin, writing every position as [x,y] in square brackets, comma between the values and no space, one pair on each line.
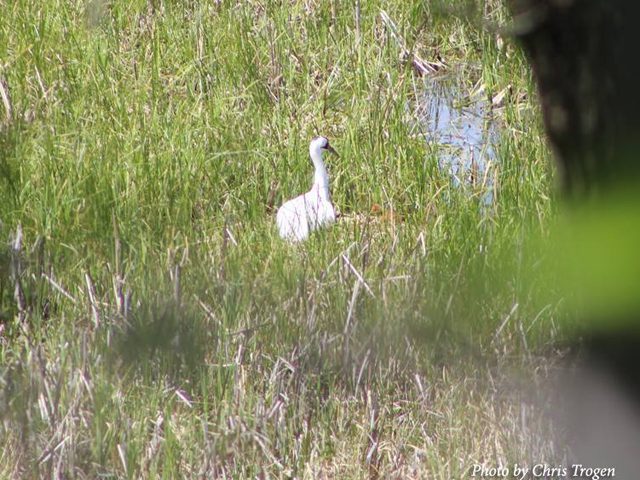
[462,128]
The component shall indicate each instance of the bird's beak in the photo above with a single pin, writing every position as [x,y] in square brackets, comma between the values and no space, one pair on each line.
[333,150]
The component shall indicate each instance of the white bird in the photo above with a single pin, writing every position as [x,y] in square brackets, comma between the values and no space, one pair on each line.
[298,217]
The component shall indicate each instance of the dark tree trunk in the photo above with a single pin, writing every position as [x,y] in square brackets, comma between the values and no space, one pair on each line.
[585,57]
[586,61]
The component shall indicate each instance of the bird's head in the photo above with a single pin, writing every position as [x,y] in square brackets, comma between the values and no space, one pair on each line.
[319,145]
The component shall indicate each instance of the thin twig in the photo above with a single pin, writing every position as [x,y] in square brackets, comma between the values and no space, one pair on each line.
[16,270]
[513,309]
[177,276]
[92,299]
[207,309]
[352,303]
[6,99]
[358,27]
[58,287]
[117,279]
[358,275]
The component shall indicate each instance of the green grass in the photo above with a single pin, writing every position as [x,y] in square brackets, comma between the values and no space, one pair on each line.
[142,149]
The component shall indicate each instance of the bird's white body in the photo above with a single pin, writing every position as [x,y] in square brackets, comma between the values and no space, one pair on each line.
[298,217]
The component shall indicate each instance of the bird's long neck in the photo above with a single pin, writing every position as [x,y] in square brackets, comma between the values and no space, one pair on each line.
[320,177]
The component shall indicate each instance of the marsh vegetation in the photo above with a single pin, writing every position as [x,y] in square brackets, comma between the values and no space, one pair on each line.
[153,324]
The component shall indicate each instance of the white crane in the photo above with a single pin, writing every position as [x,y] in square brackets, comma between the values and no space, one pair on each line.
[296,218]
